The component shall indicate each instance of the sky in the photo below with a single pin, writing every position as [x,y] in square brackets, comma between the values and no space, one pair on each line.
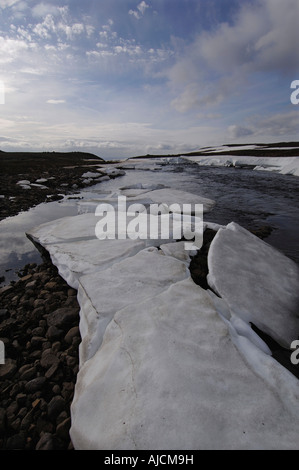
[121,78]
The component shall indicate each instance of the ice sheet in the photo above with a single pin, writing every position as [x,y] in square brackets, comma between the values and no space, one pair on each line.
[259,283]
[168,376]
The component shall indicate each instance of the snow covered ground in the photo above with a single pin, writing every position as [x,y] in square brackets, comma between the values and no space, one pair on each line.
[283,165]
[165,364]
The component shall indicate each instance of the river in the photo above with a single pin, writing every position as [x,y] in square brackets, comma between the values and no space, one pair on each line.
[250,198]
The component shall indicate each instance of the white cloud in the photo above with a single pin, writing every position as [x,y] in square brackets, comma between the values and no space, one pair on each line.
[58,23]
[46,28]
[89,30]
[71,31]
[263,38]
[42,9]
[279,124]
[7,3]
[11,49]
[55,101]
[141,8]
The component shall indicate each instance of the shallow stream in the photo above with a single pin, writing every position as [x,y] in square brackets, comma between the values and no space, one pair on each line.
[250,198]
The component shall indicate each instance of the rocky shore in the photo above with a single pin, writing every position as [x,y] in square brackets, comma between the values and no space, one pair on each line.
[39,328]
[51,175]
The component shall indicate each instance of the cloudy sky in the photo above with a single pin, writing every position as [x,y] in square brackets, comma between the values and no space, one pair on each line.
[124,77]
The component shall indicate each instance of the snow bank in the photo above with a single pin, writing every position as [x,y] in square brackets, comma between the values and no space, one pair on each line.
[283,165]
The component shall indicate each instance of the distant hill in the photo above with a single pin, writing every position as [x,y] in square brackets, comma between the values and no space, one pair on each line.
[11,162]
[279,149]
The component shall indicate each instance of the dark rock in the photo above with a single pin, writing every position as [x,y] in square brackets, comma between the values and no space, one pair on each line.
[56,347]
[21,399]
[38,312]
[38,303]
[71,361]
[27,420]
[27,372]
[7,326]
[3,313]
[2,421]
[46,442]
[72,333]
[8,369]
[26,278]
[31,284]
[35,384]
[63,317]
[48,359]
[36,341]
[56,389]
[35,355]
[38,331]
[43,425]
[56,405]
[63,429]
[51,371]
[71,292]
[68,390]
[16,442]
[51,285]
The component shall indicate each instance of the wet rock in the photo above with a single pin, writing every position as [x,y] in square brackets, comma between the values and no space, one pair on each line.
[63,429]
[35,384]
[51,285]
[8,369]
[63,317]
[16,442]
[46,442]
[3,313]
[27,420]
[56,405]
[52,370]
[27,372]
[2,421]
[71,334]
[48,359]
[37,341]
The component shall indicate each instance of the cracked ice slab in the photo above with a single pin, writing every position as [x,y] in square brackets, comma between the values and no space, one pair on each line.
[168,376]
[75,249]
[142,195]
[259,284]
[128,282]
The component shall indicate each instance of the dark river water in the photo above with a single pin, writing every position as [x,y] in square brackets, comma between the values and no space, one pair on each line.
[250,198]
